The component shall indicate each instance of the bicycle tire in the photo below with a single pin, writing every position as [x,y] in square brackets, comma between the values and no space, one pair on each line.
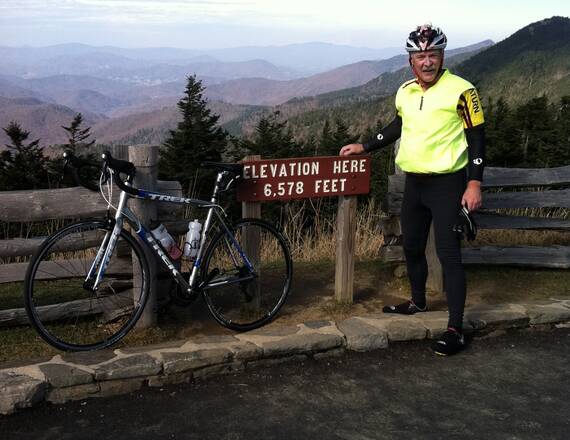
[248,304]
[70,316]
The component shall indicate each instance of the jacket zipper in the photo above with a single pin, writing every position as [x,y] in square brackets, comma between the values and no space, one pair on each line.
[422,103]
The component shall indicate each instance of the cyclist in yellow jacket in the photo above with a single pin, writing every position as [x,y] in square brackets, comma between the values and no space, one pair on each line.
[440,121]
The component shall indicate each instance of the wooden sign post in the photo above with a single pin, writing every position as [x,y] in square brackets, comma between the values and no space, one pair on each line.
[302,178]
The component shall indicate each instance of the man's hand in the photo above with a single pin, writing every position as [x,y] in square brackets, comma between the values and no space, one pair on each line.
[347,150]
[472,196]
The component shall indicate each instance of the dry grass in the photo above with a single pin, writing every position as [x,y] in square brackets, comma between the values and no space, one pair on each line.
[319,242]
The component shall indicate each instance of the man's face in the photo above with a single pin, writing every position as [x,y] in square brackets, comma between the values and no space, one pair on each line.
[426,65]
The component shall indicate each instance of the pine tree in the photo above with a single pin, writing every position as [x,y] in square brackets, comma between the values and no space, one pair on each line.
[22,166]
[536,131]
[77,136]
[503,147]
[196,139]
[272,139]
[560,153]
[382,164]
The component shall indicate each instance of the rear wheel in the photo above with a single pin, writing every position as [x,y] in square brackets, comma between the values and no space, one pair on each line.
[238,297]
[63,308]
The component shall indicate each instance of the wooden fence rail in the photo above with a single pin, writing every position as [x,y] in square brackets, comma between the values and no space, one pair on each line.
[504,188]
[80,203]
[66,203]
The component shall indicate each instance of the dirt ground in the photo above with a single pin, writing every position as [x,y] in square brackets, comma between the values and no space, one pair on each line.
[312,294]
[311,298]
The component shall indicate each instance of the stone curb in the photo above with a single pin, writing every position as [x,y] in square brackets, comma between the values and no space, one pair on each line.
[105,373]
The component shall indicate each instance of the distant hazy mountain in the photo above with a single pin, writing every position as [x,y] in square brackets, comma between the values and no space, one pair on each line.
[290,61]
[307,57]
[258,91]
[153,126]
[90,94]
[111,66]
[43,120]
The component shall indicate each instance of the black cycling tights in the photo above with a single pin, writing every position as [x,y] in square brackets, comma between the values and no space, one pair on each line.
[437,198]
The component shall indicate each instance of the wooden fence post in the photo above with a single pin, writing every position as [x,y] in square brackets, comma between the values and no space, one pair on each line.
[345,248]
[251,209]
[145,158]
[252,240]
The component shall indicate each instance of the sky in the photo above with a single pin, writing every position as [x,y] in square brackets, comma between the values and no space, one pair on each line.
[208,24]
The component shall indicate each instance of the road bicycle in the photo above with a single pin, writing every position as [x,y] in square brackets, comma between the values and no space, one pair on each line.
[88,283]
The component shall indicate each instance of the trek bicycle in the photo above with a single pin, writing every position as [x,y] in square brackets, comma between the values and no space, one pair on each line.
[88,283]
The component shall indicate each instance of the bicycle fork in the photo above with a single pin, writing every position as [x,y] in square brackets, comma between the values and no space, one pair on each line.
[106,249]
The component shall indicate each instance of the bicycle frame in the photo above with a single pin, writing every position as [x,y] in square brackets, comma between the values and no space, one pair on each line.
[123,212]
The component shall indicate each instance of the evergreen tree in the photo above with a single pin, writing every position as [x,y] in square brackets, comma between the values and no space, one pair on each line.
[77,136]
[333,139]
[341,136]
[272,139]
[22,166]
[536,132]
[197,138]
[327,141]
[560,153]
[502,146]
[382,164]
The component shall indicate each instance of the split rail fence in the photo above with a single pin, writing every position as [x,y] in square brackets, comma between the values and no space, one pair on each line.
[80,203]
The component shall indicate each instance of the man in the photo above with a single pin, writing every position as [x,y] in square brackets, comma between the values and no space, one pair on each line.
[440,121]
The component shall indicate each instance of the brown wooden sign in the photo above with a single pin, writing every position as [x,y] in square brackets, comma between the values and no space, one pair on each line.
[301,178]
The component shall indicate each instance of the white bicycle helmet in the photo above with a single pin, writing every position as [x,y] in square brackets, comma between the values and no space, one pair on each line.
[426,37]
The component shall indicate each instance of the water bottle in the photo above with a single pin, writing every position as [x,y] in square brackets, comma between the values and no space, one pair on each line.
[192,242]
[161,234]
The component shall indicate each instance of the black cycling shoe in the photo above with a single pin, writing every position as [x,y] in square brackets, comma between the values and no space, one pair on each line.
[407,308]
[451,342]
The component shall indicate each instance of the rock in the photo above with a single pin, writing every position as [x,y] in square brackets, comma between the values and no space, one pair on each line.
[61,375]
[169,379]
[335,352]
[399,328]
[434,322]
[361,336]
[246,351]
[19,391]
[78,392]
[89,357]
[547,314]
[263,363]
[127,367]
[192,360]
[303,343]
[216,370]
[497,316]
[118,387]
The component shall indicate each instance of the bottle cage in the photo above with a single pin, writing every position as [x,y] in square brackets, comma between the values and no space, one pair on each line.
[466,225]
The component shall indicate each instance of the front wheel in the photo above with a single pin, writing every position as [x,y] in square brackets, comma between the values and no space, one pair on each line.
[62,306]
[253,271]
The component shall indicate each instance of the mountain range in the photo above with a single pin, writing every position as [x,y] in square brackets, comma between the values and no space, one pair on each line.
[108,96]
[140,107]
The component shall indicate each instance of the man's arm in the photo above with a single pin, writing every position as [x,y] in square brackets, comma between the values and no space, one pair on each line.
[470,110]
[476,151]
[385,137]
